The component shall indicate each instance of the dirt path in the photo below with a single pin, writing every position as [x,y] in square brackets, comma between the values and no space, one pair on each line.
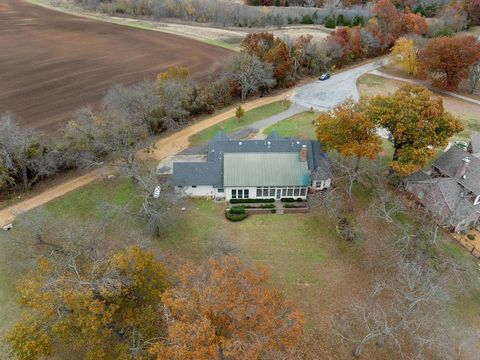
[8,214]
[167,146]
[178,141]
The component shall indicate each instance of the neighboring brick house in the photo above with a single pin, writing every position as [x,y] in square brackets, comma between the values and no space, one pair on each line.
[272,168]
[451,188]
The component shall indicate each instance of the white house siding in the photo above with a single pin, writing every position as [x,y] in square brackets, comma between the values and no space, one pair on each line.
[322,184]
[198,191]
[267,192]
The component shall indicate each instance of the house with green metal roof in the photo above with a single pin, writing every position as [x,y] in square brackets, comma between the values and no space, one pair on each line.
[272,168]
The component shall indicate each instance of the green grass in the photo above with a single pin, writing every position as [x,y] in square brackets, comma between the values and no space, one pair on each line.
[298,126]
[233,123]
[88,201]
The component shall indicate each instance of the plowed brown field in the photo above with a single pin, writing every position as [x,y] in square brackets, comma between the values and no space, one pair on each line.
[53,63]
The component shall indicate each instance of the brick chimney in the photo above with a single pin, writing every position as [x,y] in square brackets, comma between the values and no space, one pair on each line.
[303,153]
[462,169]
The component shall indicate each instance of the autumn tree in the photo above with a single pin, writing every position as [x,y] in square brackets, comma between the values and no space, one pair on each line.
[96,305]
[348,130]
[417,123]
[447,60]
[405,53]
[226,310]
[472,7]
[239,113]
[271,50]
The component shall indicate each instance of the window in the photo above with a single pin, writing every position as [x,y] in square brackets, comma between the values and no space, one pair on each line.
[259,192]
[290,192]
[221,191]
[246,193]
[303,192]
[272,192]
[240,194]
[234,194]
[284,192]
[296,192]
[194,186]
[265,192]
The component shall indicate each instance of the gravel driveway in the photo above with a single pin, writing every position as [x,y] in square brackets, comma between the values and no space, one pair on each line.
[324,95]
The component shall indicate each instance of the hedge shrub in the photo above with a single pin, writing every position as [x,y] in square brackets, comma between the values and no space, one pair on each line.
[251,201]
[471,237]
[238,209]
[235,217]
[330,23]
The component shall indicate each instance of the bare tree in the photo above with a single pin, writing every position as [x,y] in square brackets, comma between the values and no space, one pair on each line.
[138,102]
[400,314]
[24,158]
[474,76]
[251,74]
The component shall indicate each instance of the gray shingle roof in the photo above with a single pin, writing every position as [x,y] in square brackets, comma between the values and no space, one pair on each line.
[475,142]
[450,161]
[201,173]
[419,176]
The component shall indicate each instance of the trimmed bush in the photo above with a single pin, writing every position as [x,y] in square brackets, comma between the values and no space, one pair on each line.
[287,200]
[307,20]
[471,237]
[357,21]
[293,206]
[330,23]
[235,217]
[299,200]
[251,201]
[237,210]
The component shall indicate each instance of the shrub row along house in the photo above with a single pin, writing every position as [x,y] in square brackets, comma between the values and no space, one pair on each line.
[451,188]
[255,169]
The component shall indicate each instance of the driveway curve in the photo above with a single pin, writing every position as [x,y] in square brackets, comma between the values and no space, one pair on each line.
[324,95]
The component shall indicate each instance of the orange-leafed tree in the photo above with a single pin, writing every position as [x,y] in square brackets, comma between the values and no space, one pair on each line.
[348,130]
[174,73]
[226,310]
[446,60]
[413,24]
[417,123]
[472,7]
[89,305]
[389,19]
[271,50]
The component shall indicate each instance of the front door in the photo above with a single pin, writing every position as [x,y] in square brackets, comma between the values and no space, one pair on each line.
[279,194]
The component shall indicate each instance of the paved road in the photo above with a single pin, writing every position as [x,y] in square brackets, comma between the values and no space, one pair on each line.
[324,95]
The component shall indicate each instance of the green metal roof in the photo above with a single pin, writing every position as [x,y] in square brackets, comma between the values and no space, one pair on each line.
[265,169]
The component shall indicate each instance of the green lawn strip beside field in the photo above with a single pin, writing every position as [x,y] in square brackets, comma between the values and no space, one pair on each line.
[299,126]
[134,23]
[233,123]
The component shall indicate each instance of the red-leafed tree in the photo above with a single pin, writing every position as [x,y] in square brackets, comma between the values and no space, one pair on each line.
[447,60]
[472,7]
[338,43]
[272,50]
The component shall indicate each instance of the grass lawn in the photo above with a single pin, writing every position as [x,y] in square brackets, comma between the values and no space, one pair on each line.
[306,258]
[233,124]
[88,202]
[298,126]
